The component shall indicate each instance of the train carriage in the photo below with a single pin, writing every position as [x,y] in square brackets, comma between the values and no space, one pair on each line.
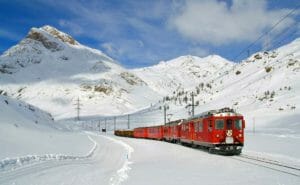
[141,132]
[220,131]
[156,132]
[172,131]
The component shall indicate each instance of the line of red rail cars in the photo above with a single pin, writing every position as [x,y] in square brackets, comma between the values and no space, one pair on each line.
[220,131]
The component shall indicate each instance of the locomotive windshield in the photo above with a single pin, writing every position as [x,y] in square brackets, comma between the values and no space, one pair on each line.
[229,124]
[219,124]
[238,124]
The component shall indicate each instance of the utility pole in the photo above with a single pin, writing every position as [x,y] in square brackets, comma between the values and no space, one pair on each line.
[193,105]
[114,123]
[105,125]
[165,113]
[78,104]
[128,122]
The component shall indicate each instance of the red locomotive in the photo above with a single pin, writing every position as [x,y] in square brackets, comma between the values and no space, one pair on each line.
[220,131]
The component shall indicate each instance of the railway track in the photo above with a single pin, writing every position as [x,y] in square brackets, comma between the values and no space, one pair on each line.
[269,164]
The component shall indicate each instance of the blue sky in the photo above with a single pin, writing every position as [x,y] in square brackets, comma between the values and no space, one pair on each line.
[143,32]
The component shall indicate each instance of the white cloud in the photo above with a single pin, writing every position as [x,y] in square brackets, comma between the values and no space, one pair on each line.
[76,29]
[218,23]
[9,35]
[198,51]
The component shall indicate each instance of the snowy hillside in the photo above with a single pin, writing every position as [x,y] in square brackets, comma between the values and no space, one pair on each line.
[23,127]
[265,88]
[50,70]
[184,72]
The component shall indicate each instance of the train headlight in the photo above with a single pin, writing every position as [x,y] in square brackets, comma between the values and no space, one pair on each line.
[240,135]
[217,135]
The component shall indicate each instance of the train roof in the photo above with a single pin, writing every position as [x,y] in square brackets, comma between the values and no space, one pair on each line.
[218,112]
[176,122]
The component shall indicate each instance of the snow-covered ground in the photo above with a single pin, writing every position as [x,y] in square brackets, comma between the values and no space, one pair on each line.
[107,163]
[130,161]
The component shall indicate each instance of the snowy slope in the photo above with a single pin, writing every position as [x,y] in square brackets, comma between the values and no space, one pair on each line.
[184,72]
[26,130]
[265,88]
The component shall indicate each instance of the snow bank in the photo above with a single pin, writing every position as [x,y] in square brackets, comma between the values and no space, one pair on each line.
[10,163]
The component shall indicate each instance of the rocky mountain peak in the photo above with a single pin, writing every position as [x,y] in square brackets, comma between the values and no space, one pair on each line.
[60,35]
[44,35]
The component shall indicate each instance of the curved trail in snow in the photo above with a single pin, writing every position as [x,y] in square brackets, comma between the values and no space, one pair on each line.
[13,163]
[106,163]
[122,173]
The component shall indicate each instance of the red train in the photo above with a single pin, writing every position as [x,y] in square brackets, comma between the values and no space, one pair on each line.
[220,131]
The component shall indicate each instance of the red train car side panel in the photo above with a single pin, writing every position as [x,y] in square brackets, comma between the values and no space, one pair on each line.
[155,132]
[140,132]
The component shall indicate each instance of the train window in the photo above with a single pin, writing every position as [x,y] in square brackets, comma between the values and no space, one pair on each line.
[196,126]
[229,124]
[200,126]
[238,124]
[219,124]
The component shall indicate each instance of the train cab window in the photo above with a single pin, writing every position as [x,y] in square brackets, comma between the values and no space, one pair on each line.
[200,126]
[238,124]
[219,124]
[229,124]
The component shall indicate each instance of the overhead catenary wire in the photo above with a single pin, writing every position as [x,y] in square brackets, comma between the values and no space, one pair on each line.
[267,32]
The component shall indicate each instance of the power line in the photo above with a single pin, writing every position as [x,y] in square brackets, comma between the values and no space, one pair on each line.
[267,32]
[77,108]
[276,44]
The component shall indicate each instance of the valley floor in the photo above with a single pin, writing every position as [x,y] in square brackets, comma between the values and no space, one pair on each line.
[116,160]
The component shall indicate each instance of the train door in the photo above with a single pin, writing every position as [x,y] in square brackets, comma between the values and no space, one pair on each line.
[191,130]
[229,131]
[209,130]
[199,130]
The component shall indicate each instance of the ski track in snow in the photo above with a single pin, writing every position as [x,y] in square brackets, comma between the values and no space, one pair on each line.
[122,174]
[26,165]
[12,163]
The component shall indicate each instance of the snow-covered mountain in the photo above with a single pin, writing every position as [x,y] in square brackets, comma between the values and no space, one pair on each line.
[184,72]
[51,70]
